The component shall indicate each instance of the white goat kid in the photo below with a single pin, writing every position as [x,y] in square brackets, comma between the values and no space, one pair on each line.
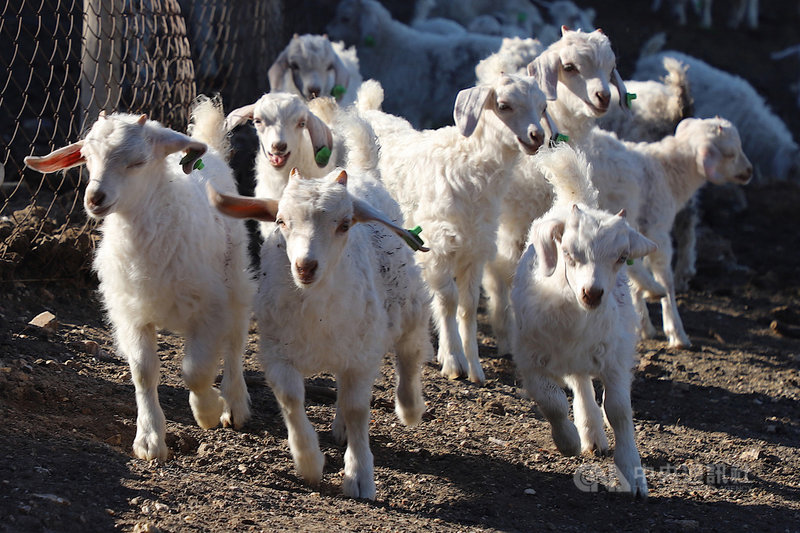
[312,66]
[451,181]
[336,295]
[578,72]
[575,319]
[167,259]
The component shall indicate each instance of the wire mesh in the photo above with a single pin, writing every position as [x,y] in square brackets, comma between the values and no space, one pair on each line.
[66,60]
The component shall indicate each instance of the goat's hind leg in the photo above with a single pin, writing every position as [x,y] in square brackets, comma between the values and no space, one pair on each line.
[469,287]
[200,368]
[234,389]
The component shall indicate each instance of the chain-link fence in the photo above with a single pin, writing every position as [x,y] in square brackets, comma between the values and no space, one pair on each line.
[66,60]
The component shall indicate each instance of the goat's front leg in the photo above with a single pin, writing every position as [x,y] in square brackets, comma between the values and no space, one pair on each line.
[659,262]
[617,406]
[138,344]
[588,415]
[445,304]
[552,402]
[287,385]
[355,392]
[469,290]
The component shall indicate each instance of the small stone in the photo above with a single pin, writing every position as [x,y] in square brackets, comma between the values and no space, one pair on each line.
[162,507]
[529,492]
[205,449]
[53,498]
[114,440]
[771,428]
[145,527]
[46,321]
[243,469]
[497,441]
[750,455]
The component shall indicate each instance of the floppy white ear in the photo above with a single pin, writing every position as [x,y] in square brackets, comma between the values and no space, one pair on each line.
[469,106]
[640,245]
[364,212]
[239,116]
[320,136]
[616,81]
[545,235]
[167,141]
[277,70]
[545,70]
[61,159]
[708,160]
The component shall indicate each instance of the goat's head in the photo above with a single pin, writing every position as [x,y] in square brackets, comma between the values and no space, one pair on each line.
[314,66]
[122,153]
[281,120]
[314,216]
[718,149]
[358,22]
[516,101]
[578,70]
[591,246]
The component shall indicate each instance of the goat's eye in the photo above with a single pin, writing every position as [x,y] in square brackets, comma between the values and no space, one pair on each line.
[502,106]
[343,227]
[570,67]
[622,259]
[280,222]
[137,164]
[293,66]
[330,67]
[301,124]
[257,121]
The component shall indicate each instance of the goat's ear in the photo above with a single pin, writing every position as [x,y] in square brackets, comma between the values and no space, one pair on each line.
[239,116]
[321,137]
[545,70]
[363,212]
[469,106]
[61,159]
[640,245]
[341,179]
[167,141]
[564,29]
[277,70]
[341,74]
[622,92]
[708,160]
[242,206]
[545,236]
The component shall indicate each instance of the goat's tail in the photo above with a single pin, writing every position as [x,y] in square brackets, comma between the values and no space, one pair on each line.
[678,80]
[369,96]
[207,124]
[569,173]
[360,143]
[653,45]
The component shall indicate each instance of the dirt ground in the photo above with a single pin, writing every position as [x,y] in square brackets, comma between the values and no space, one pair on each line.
[718,426]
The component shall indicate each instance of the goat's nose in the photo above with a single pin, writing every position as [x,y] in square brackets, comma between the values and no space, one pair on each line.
[278,147]
[95,198]
[592,297]
[314,91]
[603,99]
[535,138]
[306,268]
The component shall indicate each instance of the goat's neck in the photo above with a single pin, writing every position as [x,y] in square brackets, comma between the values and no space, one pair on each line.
[680,165]
[492,146]
[575,125]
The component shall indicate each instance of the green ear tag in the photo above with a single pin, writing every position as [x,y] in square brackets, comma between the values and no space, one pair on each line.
[629,262]
[338,91]
[414,240]
[629,97]
[560,138]
[369,40]
[322,156]
[199,164]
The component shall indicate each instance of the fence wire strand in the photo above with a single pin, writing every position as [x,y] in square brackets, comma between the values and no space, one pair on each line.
[66,60]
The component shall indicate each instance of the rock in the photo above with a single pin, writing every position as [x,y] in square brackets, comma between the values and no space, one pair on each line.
[45,321]
[205,449]
[145,527]
[53,498]
[162,507]
[529,491]
[750,455]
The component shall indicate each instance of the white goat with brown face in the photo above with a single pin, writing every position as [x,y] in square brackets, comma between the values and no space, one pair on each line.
[451,181]
[312,66]
[168,260]
[338,291]
[575,319]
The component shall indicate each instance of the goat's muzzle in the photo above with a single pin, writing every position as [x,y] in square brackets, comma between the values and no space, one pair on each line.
[592,297]
[306,270]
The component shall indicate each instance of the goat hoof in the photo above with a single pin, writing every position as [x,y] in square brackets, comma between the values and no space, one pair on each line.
[150,446]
